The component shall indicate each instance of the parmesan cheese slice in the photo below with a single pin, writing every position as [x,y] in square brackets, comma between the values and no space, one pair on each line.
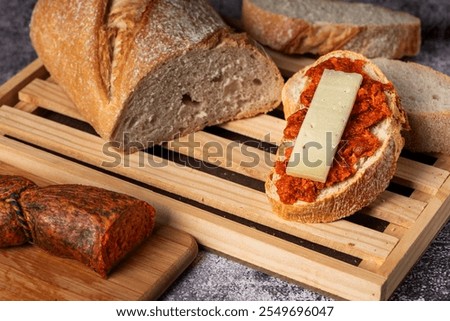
[323,126]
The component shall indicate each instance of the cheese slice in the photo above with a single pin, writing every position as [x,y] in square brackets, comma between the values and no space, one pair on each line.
[323,126]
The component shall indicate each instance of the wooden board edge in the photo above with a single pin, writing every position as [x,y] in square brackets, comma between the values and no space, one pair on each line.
[299,265]
[29,279]
[186,260]
[9,91]
[416,240]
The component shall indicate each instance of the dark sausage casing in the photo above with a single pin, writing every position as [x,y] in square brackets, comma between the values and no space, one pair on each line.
[11,231]
[94,226]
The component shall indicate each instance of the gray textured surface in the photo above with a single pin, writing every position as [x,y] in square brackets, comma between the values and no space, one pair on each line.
[213,277]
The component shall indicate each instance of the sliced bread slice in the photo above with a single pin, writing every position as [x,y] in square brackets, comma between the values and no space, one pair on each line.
[321,26]
[425,96]
[373,173]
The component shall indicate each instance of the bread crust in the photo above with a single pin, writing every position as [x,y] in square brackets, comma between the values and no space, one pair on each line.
[369,181]
[298,36]
[67,57]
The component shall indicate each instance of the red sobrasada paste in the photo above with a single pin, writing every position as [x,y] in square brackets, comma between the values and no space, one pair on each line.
[357,141]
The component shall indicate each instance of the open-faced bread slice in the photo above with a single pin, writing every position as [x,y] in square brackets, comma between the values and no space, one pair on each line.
[369,174]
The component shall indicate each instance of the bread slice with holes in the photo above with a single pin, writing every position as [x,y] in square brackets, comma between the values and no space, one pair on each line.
[372,173]
[425,96]
[142,72]
[321,26]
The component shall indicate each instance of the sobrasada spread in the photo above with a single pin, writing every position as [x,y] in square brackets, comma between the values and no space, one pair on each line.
[370,108]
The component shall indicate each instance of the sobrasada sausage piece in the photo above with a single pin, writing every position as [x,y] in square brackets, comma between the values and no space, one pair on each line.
[94,226]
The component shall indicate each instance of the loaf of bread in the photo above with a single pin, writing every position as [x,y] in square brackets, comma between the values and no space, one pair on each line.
[92,225]
[425,96]
[367,154]
[321,26]
[145,71]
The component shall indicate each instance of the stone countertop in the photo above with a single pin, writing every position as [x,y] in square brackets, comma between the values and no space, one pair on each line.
[213,277]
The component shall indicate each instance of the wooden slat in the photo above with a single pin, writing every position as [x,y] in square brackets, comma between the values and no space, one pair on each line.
[257,248]
[202,145]
[395,230]
[225,153]
[210,190]
[409,173]
[420,176]
[263,127]
[24,106]
[7,169]
[395,208]
[45,93]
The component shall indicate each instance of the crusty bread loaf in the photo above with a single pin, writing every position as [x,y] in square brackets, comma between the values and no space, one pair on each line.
[373,173]
[321,26]
[425,96]
[142,72]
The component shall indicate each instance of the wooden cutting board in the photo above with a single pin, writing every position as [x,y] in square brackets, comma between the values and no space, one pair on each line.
[220,200]
[29,273]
